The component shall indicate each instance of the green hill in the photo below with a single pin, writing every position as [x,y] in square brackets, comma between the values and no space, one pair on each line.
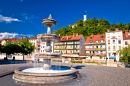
[91,26]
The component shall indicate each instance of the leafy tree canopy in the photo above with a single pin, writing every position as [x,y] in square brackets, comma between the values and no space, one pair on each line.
[91,26]
[125,54]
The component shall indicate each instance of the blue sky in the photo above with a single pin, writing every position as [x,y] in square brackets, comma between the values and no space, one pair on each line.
[24,17]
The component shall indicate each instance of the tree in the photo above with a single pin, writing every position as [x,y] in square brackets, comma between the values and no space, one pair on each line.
[125,54]
[8,48]
[26,47]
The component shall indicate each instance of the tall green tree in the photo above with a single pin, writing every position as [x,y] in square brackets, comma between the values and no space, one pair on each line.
[26,47]
[8,48]
[125,54]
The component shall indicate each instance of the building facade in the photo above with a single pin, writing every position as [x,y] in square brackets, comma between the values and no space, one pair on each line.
[95,48]
[126,38]
[114,42]
[73,44]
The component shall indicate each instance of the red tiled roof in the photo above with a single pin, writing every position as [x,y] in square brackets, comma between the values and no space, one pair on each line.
[126,36]
[32,38]
[13,39]
[17,39]
[0,41]
[94,38]
[71,38]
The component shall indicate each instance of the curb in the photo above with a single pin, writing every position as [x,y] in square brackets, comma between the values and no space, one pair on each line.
[6,73]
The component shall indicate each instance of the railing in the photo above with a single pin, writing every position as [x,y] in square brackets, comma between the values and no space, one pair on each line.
[95,54]
[95,49]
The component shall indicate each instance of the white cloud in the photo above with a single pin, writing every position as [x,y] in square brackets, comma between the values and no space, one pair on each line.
[8,19]
[6,35]
[29,18]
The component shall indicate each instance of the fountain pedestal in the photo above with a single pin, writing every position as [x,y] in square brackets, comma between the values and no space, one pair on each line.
[47,64]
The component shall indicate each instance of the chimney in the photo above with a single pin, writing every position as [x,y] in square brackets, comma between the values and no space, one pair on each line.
[77,34]
[67,37]
[108,30]
[25,37]
[126,32]
[116,29]
[73,34]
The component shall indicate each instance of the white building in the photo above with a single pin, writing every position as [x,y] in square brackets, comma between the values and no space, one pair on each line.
[114,42]
[126,38]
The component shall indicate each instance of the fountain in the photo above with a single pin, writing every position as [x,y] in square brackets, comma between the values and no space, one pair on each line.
[47,74]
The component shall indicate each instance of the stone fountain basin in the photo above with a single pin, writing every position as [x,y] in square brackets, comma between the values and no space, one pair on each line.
[45,78]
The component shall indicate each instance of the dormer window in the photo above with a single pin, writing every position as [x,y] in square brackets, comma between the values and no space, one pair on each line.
[90,37]
[101,36]
[96,41]
[91,41]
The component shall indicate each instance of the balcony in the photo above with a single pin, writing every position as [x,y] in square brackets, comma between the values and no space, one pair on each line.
[95,54]
[94,49]
[66,48]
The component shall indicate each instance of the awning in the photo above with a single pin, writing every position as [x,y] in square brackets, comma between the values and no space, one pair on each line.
[112,57]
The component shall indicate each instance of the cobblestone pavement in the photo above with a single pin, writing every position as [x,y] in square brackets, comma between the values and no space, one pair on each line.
[91,75]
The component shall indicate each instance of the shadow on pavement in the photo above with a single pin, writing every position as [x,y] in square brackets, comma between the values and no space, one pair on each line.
[79,67]
[14,61]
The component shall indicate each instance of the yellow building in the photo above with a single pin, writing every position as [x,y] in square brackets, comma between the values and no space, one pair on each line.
[71,46]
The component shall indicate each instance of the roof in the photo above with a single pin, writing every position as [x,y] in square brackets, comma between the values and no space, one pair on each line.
[13,39]
[126,36]
[17,39]
[0,41]
[32,38]
[71,38]
[94,38]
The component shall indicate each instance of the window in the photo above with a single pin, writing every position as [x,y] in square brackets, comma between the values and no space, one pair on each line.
[114,48]
[101,46]
[113,41]
[101,40]
[119,47]
[41,50]
[119,42]
[109,54]
[109,48]
[90,41]
[101,36]
[126,43]
[108,41]
[38,45]
[43,46]
[90,37]
[96,41]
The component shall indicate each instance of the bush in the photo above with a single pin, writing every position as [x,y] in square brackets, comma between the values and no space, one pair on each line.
[72,61]
[91,62]
[56,60]
[103,63]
